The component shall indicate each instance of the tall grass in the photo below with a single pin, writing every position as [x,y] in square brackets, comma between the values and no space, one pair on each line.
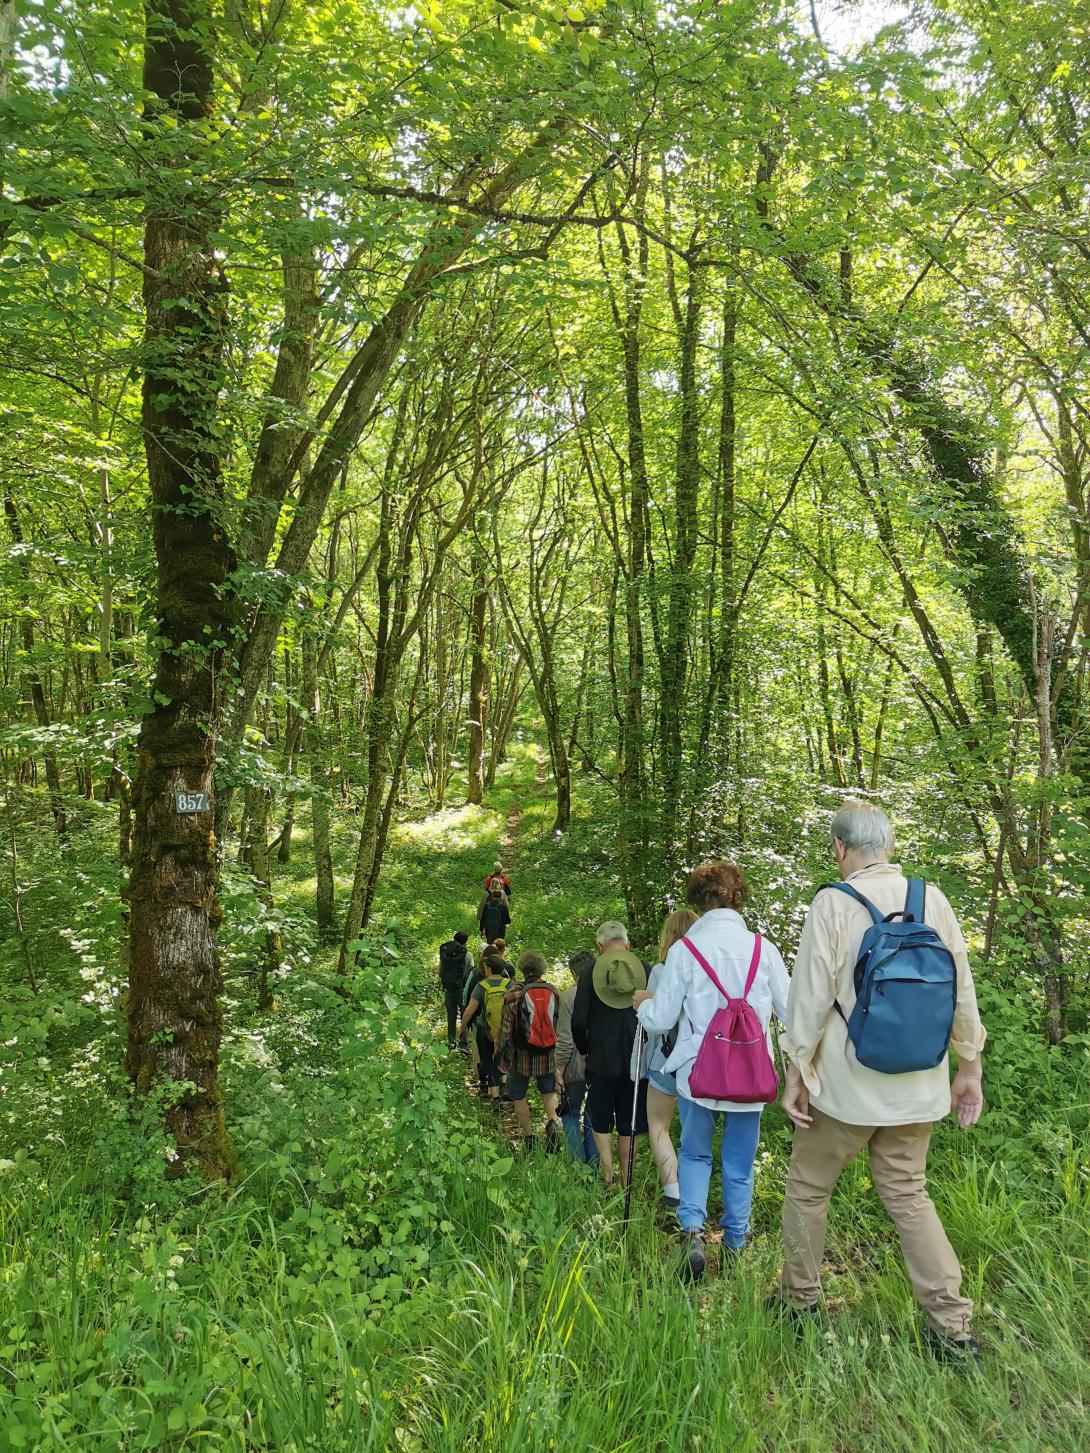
[537,1320]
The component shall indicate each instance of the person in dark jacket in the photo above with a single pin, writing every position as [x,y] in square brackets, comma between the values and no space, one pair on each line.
[455,959]
[603,1025]
[495,916]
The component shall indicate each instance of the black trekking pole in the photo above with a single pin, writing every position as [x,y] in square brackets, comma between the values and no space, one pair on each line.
[632,1137]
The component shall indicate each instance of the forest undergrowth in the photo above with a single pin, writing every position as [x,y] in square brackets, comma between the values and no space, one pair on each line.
[384,1273]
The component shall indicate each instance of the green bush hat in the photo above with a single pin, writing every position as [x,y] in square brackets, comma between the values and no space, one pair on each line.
[617,975]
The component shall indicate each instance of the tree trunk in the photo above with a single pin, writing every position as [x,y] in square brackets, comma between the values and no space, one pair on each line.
[478,687]
[273,948]
[324,908]
[174,1016]
[33,679]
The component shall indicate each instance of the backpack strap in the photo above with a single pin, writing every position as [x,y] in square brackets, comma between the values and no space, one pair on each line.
[853,893]
[915,900]
[876,917]
[753,963]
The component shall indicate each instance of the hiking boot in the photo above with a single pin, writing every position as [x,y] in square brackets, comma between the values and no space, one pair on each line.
[960,1353]
[799,1317]
[529,1143]
[692,1268]
[554,1137]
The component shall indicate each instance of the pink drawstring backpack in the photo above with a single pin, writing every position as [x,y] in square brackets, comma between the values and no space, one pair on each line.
[733,1061]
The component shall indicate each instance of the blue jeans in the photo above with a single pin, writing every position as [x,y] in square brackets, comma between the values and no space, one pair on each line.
[741,1132]
[580,1141]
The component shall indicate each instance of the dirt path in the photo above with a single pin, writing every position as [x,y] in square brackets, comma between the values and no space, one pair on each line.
[514,812]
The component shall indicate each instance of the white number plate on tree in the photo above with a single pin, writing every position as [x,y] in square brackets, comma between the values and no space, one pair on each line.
[191,801]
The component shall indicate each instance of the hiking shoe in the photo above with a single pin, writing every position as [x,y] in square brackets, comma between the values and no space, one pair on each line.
[692,1268]
[960,1353]
[668,1209]
[554,1137]
[529,1143]
[799,1317]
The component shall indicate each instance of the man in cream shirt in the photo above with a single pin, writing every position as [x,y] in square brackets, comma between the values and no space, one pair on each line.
[838,1105]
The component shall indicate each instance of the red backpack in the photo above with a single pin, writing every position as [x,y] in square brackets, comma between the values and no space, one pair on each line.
[732,1062]
[537,1016]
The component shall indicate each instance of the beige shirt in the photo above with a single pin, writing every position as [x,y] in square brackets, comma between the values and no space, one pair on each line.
[817,1040]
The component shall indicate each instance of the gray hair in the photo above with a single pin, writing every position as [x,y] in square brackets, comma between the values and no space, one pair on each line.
[862,827]
[610,932]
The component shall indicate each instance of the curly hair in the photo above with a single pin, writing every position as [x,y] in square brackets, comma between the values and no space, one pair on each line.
[716,885]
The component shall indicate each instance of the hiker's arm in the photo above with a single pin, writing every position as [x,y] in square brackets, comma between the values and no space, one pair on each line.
[470,1010]
[507,1024]
[778,982]
[659,1013]
[968,1034]
[812,994]
[579,1013]
[565,1045]
[796,1099]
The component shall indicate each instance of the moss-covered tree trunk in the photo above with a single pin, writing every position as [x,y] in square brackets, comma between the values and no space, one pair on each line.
[174,1015]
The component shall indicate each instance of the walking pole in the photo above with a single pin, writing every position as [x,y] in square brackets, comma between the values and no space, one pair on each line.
[632,1137]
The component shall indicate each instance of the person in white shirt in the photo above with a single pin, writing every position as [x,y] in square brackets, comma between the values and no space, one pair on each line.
[686,996]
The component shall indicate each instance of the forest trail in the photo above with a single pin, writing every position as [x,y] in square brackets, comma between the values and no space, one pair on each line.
[514,812]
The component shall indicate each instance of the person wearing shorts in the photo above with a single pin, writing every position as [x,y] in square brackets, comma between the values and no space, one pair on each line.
[609,1105]
[661,1085]
[603,1026]
[523,1063]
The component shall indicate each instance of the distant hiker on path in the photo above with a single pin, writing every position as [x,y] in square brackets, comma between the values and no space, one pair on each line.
[603,1026]
[455,963]
[718,957]
[879,1079]
[571,1068]
[527,1046]
[494,915]
[498,879]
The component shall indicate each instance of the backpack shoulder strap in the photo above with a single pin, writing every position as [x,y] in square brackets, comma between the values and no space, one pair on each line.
[876,917]
[702,961]
[753,963]
[915,900]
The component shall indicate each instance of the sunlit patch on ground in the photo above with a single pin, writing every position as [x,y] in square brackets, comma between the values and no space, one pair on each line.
[452,829]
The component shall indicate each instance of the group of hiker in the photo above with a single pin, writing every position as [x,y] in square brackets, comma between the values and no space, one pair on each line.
[881,990]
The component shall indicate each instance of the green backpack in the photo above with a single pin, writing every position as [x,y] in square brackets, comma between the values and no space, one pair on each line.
[495,992]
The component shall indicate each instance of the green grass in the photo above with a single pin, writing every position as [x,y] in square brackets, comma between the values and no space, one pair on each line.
[386,1276]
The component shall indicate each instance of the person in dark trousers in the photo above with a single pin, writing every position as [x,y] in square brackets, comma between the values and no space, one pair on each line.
[455,959]
[603,1025]
[495,916]
[486,1005]
[571,1067]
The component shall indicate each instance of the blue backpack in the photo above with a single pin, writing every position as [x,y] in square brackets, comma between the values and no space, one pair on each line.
[906,987]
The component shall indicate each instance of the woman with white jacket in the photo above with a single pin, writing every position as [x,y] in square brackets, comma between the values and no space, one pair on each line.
[687,997]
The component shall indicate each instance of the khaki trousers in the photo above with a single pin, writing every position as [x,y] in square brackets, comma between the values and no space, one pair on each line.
[898,1161]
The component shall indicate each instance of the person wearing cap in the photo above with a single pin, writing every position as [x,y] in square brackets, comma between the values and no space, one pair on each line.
[603,1025]
[687,997]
